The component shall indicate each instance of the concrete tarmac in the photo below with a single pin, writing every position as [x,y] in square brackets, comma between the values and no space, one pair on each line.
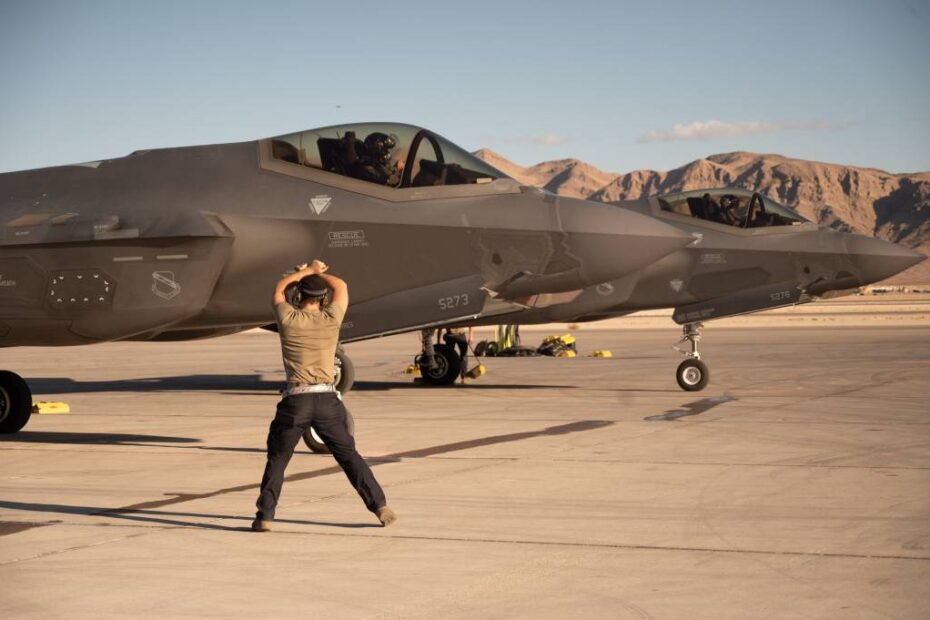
[795,486]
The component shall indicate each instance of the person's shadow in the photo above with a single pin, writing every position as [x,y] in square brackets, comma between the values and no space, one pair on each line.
[163,517]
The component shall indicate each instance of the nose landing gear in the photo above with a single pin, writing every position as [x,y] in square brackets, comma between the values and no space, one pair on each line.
[692,374]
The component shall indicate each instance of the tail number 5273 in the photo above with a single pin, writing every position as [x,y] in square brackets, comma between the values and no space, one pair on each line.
[453,301]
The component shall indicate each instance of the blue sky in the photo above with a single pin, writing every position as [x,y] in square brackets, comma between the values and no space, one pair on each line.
[623,85]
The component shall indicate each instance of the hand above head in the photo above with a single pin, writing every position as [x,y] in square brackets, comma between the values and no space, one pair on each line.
[315,267]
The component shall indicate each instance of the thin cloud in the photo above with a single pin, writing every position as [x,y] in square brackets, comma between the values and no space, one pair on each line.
[547,139]
[708,130]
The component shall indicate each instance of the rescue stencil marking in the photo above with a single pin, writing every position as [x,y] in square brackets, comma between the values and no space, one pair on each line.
[676,285]
[347,239]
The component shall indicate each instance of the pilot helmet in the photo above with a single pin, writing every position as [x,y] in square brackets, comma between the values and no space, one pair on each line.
[729,201]
[379,146]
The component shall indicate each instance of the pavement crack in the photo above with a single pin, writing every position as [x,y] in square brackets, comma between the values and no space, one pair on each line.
[627,546]
[74,548]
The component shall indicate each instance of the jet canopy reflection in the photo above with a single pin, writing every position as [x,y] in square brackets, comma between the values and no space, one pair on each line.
[732,207]
[388,154]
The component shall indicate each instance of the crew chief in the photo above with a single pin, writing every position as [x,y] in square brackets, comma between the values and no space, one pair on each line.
[309,335]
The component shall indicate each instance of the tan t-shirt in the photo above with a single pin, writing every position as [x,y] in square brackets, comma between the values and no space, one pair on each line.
[308,342]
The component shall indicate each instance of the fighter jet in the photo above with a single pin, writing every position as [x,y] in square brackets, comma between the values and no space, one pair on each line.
[747,253]
[185,243]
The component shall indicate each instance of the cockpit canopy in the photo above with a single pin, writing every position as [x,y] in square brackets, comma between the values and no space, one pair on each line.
[733,207]
[388,154]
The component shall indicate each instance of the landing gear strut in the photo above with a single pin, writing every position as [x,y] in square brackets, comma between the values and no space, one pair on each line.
[439,364]
[15,402]
[692,374]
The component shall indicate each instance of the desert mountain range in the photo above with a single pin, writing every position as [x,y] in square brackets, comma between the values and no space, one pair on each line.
[895,207]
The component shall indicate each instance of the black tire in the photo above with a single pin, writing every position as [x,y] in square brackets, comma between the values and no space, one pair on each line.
[15,402]
[692,375]
[481,348]
[344,375]
[447,368]
[316,444]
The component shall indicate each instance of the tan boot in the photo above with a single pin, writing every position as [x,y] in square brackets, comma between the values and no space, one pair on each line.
[260,525]
[386,516]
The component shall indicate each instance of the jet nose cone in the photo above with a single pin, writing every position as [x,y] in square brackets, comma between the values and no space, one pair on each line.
[612,241]
[876,259]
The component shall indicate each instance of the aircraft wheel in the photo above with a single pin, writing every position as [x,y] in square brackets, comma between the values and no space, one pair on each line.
[692,375]
[343,372]
[316,444]
[448,366]
[15,402]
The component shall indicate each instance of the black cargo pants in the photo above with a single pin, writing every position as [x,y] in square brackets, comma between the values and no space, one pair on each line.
[325,412]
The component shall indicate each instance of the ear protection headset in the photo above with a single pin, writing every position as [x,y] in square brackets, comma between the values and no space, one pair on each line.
[311,287]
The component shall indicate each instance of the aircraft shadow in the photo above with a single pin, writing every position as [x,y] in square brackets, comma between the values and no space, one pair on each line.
[374,386]
[217,382]
[162,517]
[232,384]
[92,438]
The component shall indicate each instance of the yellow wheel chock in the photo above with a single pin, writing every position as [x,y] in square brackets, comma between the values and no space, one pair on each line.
[48,407]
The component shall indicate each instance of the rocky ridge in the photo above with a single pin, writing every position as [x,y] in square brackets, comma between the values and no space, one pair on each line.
[890,206]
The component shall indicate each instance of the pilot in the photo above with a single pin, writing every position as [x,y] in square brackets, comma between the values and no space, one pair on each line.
[728,206]
[376,165]
[309,333]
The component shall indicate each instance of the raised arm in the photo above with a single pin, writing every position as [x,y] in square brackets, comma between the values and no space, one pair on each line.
[339,287]
[340,290]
